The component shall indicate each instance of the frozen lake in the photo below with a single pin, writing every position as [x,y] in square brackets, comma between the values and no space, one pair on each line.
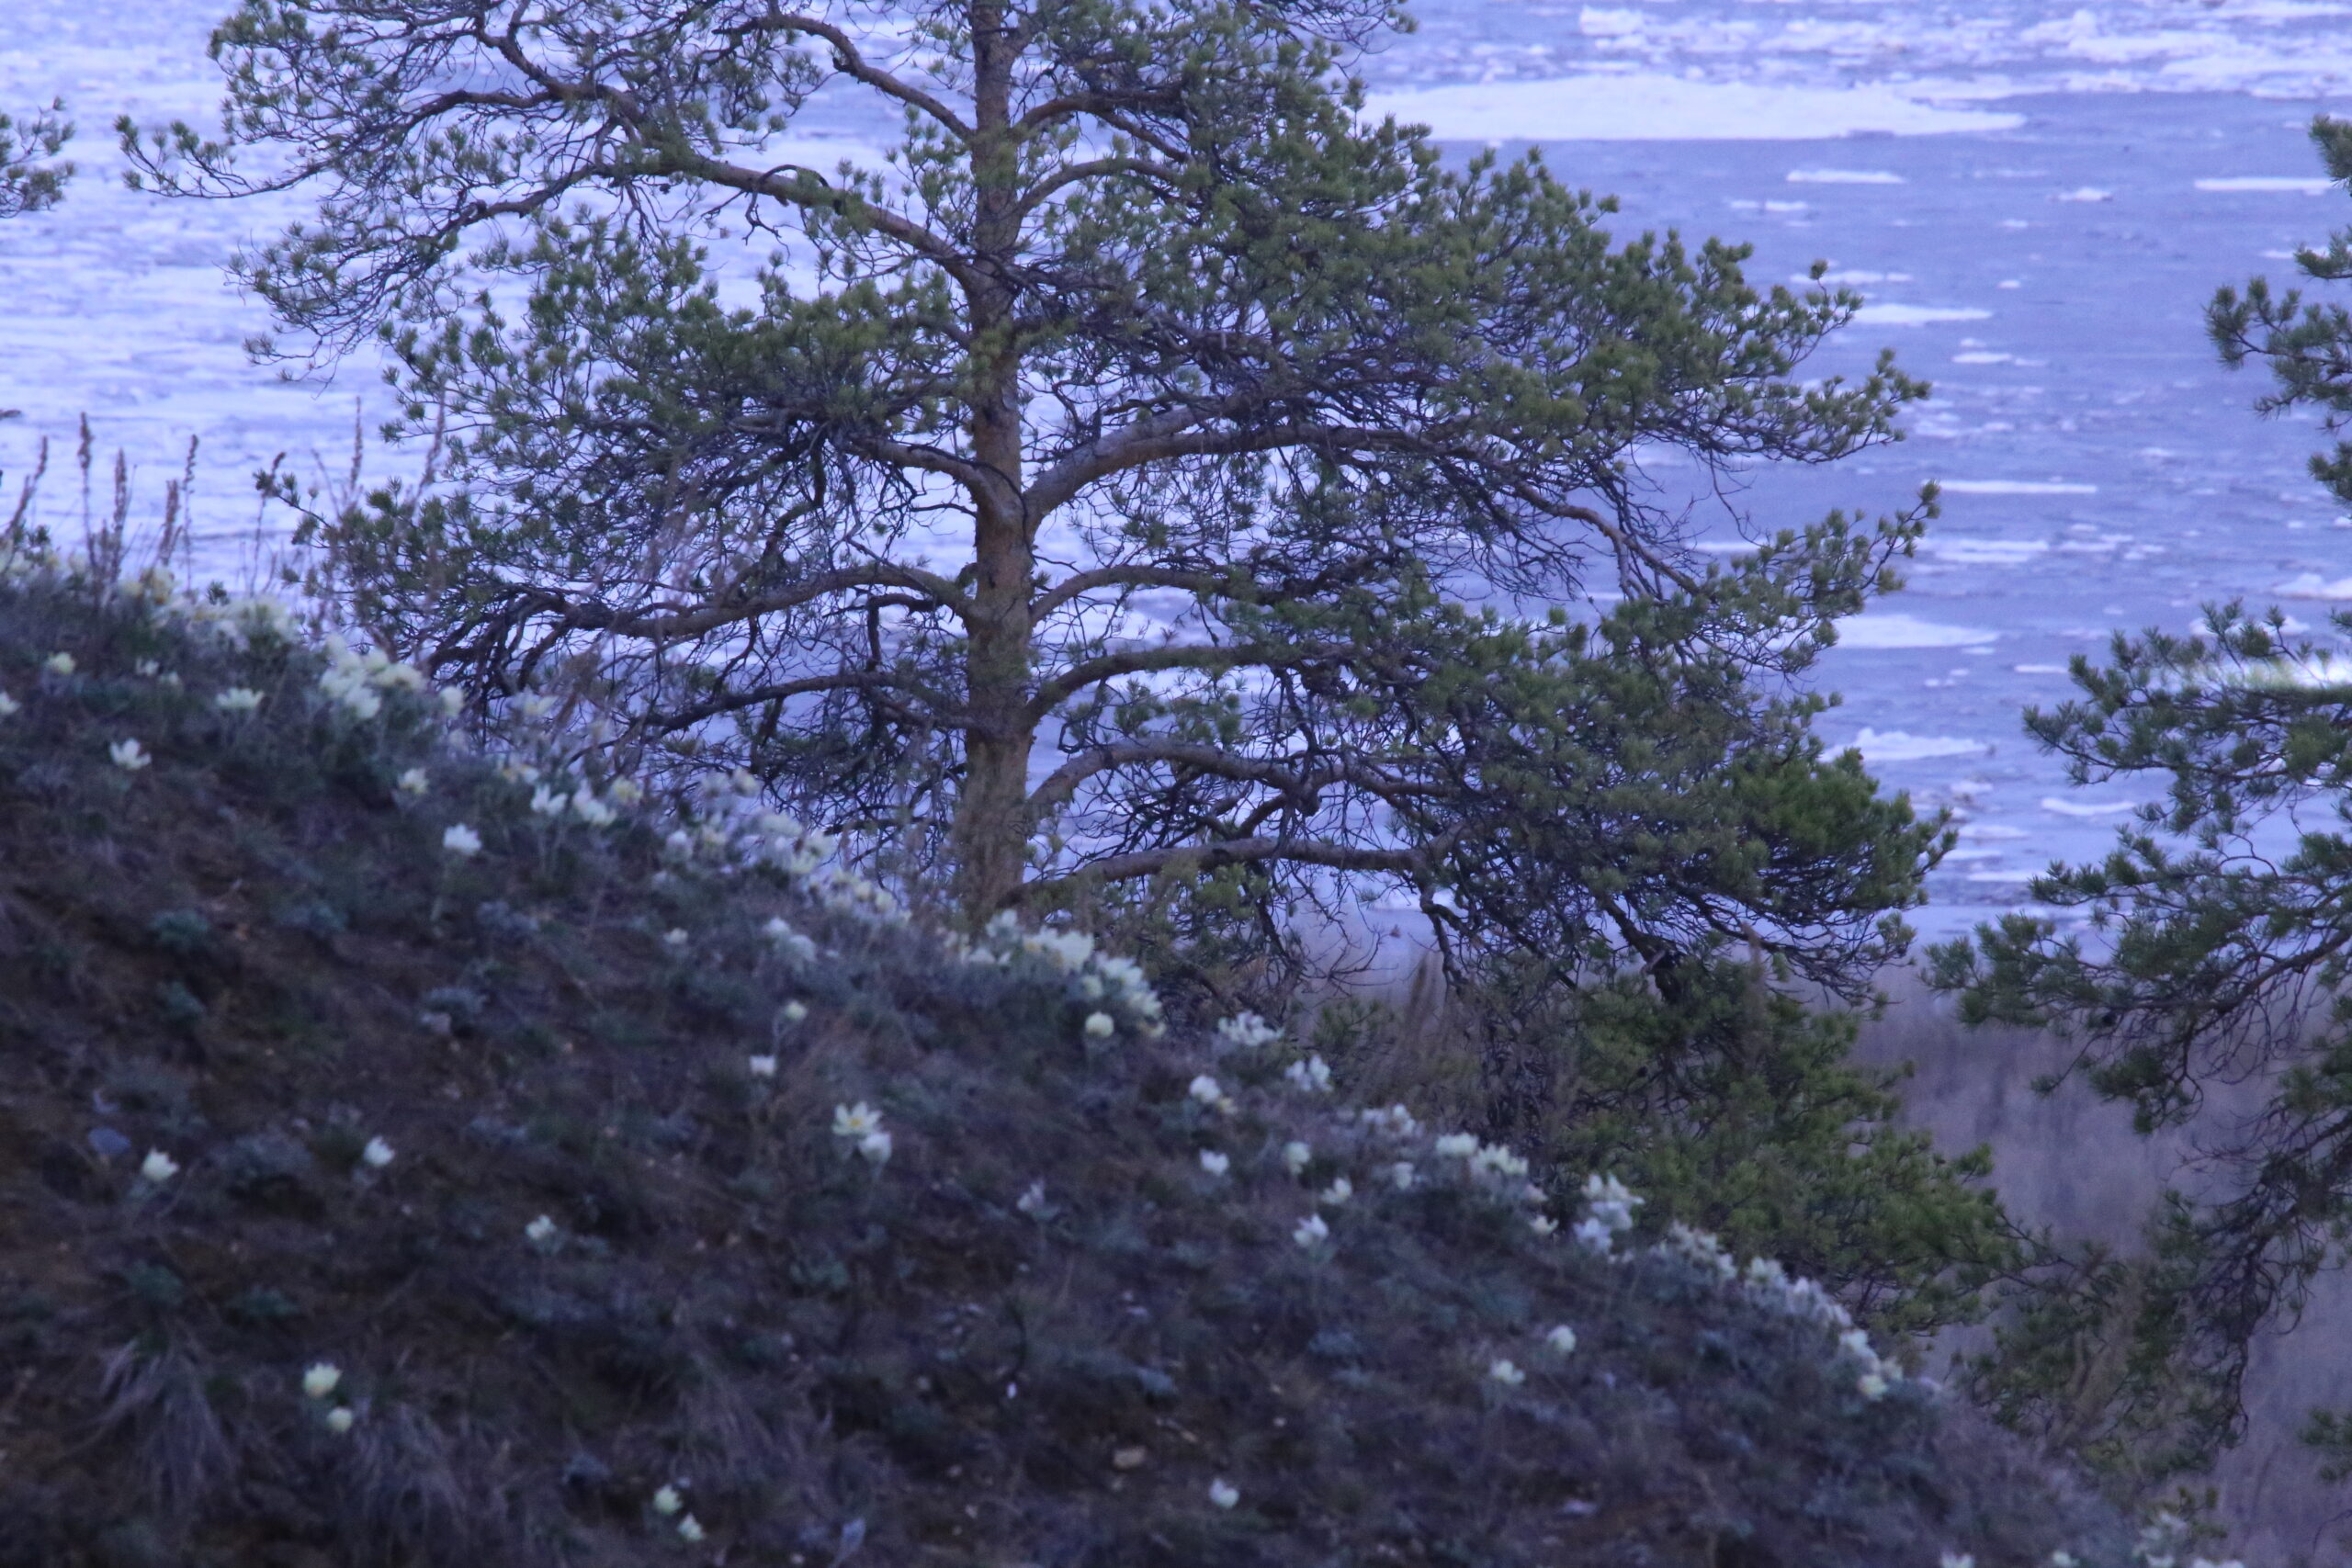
[2037,199]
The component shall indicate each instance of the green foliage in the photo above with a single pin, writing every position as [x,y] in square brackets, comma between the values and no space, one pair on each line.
[27,183]
[1737,1110]
[2214,952]
[1036,1331]
[1730,1106]
[1141,329]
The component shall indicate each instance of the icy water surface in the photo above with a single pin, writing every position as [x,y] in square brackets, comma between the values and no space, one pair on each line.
[2064,186]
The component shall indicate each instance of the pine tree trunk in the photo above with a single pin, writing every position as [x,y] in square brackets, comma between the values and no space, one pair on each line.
[992,830]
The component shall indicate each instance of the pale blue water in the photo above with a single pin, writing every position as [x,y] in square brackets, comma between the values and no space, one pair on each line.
[2092,373]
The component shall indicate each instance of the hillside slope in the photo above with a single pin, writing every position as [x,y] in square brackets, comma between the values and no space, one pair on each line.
[409,1157]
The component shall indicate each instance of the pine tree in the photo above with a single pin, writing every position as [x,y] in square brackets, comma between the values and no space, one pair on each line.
[2217,944]
[1154,476]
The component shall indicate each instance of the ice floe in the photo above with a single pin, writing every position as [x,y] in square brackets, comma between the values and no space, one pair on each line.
[1918,315]
[2310,585]
[2063,808]
[2016,487]
[1900,745]
[1645,108]
[1844,177]
[2291,185]
[1893,628]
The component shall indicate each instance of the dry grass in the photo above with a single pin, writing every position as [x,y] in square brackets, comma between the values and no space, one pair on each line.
[2071,1162]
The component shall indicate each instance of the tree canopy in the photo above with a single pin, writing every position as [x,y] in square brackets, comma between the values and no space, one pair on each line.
[2213,945]
[1147,468]
[29,180]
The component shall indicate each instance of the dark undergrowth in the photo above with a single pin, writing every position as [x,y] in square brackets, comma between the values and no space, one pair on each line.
[495,1138]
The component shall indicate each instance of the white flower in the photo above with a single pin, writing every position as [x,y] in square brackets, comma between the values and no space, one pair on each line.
[1616,1214]
[1032,1199]
[1506,1372]
[794,1012]
[1608,1192]
[1066,951]
[1495,1158]
[689,1529]
[591,810]
[322,1379]
[158,1167]
[1222,1493]
[540,1231]
[1313,1074]
[1543,1225]
[393,676]
[762,1067]
[856,1122]
[1562,1339]
[1956,1560]
[1401,1174]
[1216,1162]
[1100,1026]
[1595,1235]
[1246,1030]
[146,668]
[129,755]
[238,700]
[789,942]
[2062,1560]
[875,1147]
[1703,1249]
[10,706]
[1297,1156]
[1871,1386]
[341,1419]
[413,783]
[1311,1231]
[378,1153]
[675,939]
[353,694]
[462,841]
[58,664]
[549,803]
[1339,1192]
[451,700]
[1457,1146]
[667,1501]
[628,791]
[1203,1089]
